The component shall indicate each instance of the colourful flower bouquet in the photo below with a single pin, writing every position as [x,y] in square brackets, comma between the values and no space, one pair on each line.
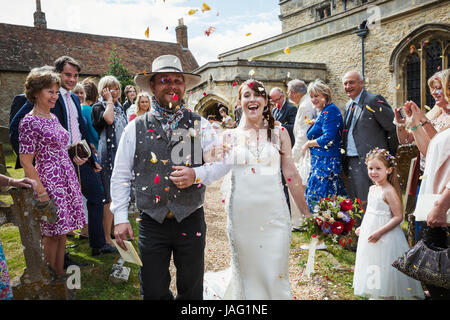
[333,219]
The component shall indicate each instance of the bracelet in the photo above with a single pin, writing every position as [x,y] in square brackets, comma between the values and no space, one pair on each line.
[401,125]
[425,122]
[416,127]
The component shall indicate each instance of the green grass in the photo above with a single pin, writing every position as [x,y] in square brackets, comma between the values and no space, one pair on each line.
[95,282]
[333,268]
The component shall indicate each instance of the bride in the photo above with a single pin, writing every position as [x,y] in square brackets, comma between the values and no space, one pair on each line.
[259,228]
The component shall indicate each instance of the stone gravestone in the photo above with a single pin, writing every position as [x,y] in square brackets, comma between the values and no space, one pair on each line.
[37,282]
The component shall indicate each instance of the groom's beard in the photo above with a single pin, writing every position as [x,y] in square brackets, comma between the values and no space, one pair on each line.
[166,100]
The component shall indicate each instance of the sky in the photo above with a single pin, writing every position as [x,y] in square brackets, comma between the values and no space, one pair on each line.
[236,22]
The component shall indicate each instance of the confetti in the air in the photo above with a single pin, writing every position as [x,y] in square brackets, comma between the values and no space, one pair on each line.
[147,32]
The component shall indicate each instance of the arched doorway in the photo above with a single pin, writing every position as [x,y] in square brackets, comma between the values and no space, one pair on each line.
[210,105]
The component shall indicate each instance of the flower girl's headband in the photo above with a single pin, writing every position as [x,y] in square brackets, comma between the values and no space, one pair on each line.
[384,153]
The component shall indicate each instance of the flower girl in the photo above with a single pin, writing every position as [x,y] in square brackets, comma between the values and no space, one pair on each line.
[381,239]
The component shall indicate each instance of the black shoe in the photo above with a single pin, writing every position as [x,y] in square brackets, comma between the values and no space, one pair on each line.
[70,262]
[295,230]
[103,250]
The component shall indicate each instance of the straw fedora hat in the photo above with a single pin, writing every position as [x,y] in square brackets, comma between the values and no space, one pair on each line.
[166,64]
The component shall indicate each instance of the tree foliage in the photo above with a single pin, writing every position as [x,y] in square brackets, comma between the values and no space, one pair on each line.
[118,70]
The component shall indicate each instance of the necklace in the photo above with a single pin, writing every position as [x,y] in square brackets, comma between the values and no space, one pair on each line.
[43,114]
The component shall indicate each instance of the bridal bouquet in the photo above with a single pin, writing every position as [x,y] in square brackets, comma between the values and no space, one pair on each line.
[333,218]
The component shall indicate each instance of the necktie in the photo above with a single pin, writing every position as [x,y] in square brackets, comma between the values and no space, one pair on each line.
[350,117]
[73,123]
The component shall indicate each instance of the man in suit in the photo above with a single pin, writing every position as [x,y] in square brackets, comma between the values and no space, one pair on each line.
[69,69]
[16,104]
[368,123]
[285,113]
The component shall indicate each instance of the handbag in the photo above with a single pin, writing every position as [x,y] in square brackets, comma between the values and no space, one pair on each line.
[428,264]
[80,149]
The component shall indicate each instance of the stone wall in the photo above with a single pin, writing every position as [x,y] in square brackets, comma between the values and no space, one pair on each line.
[11,84]
[299,13]
[336,44]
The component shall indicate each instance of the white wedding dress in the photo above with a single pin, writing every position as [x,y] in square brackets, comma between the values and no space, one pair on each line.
[258,225]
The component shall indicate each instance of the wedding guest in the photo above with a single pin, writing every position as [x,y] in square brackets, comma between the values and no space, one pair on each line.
[109,119]
[227,122]
[171,210]
[437,117]
[436,181]
[297,93]
[368,123]
[5,288]
[91,97]
[215,124]
[142,105]
[68,111]
[130,96]
[283,111]
[324,143]
[44,158]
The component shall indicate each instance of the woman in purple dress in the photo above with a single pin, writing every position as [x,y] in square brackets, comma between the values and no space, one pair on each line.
[43,139]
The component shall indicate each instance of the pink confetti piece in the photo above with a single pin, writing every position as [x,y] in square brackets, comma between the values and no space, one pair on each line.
[156,179]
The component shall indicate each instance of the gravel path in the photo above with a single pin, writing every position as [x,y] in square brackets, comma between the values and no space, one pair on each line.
[217,251]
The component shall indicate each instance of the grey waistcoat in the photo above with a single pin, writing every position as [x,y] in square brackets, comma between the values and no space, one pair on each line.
[158,198]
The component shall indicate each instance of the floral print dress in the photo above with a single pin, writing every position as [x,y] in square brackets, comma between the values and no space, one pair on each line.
[48,141]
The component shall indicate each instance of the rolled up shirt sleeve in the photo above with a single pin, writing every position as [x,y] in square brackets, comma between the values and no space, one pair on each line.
[122,174]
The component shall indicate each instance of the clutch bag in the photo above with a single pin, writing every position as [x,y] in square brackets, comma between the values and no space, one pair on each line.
[429,265]
[80,149]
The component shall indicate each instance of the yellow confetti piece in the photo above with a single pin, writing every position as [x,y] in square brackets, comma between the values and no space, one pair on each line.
[248,34]
[153,159]
[369,108]
[287,50]
[397,87]
[205,7]
[192,11]
[147,32]
[164,161]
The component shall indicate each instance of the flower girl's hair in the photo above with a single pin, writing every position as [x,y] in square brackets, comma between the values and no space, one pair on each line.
[390,162]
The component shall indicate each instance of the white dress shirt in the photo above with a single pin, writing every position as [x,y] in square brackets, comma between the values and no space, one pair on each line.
[124,162]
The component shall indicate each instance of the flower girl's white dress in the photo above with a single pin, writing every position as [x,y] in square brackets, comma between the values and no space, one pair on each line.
[374,275]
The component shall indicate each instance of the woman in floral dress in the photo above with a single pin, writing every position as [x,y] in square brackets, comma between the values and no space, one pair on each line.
[43,139]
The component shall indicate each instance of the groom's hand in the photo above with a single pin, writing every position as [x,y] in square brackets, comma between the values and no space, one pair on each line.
[120,233]
[182,177]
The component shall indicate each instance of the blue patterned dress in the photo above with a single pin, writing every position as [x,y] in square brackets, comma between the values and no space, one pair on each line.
[324,180]
[5,288]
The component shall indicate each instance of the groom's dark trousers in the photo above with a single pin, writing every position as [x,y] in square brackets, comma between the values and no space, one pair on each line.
[186,241]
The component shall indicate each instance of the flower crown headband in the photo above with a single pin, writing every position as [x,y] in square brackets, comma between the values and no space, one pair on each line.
[383,152]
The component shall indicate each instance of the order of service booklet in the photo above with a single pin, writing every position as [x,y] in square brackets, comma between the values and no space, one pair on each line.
[130,255]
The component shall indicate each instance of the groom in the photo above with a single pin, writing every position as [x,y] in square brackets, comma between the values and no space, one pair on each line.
[161,148]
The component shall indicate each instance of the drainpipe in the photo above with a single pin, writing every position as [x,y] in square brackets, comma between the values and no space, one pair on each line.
[362,32]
